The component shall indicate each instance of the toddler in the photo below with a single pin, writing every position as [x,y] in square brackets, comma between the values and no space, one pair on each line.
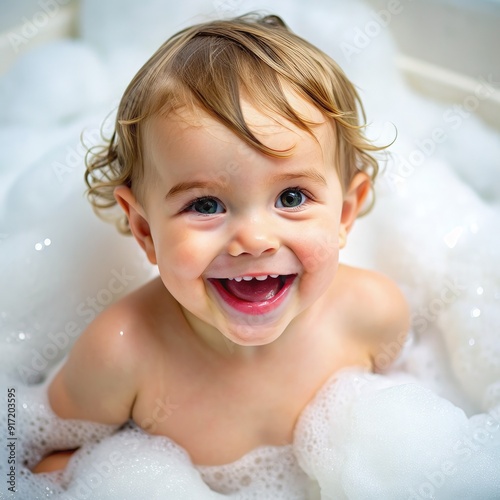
[240,165]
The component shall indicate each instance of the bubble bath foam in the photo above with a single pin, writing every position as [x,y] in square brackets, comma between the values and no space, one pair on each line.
[429,427]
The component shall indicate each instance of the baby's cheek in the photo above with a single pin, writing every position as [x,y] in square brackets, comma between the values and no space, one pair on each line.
[317,249]
[322,257]
[185,258]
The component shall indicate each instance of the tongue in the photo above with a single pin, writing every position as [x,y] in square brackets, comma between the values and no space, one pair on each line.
[254,290]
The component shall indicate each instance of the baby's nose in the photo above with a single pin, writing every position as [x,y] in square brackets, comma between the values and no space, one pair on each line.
[255,236]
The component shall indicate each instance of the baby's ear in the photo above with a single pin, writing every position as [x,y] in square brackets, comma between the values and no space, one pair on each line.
[354,200]
[137,220]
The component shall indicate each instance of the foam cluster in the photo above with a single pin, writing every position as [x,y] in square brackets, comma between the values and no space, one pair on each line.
[427,428]
[373,436]
[128,463]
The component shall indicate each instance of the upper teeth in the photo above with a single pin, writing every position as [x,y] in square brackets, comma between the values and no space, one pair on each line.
[259,278]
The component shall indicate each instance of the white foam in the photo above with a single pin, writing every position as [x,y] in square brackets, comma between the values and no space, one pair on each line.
[430,432]
[369,436]
[129,463]
[50,84]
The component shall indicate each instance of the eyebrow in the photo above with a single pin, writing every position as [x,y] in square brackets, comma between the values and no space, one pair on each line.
[190,185]
[311,175]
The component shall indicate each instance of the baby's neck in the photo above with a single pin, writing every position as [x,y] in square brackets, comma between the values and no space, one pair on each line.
[211,340]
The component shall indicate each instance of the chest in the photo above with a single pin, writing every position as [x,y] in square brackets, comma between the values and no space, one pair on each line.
[220,414]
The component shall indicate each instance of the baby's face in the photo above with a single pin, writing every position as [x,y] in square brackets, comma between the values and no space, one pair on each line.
[245,242]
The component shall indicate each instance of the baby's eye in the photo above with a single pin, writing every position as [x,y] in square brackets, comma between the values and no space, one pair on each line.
[206,206]
[291,198]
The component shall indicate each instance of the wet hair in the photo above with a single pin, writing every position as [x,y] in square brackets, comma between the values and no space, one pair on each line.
[210,66]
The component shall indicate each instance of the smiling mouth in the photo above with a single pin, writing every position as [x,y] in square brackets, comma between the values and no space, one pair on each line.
[254,295]
[254,289]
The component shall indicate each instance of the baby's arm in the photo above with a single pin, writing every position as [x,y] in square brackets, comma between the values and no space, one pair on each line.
[98,382]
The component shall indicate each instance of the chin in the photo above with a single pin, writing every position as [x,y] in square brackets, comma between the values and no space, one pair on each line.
[247,334]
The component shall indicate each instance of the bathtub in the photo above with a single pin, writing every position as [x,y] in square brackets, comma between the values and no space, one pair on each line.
[427,428]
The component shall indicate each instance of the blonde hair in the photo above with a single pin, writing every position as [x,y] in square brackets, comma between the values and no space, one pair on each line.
[210,65]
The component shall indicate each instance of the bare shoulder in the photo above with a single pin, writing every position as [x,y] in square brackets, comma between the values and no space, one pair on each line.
[100,378]
[376,311]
